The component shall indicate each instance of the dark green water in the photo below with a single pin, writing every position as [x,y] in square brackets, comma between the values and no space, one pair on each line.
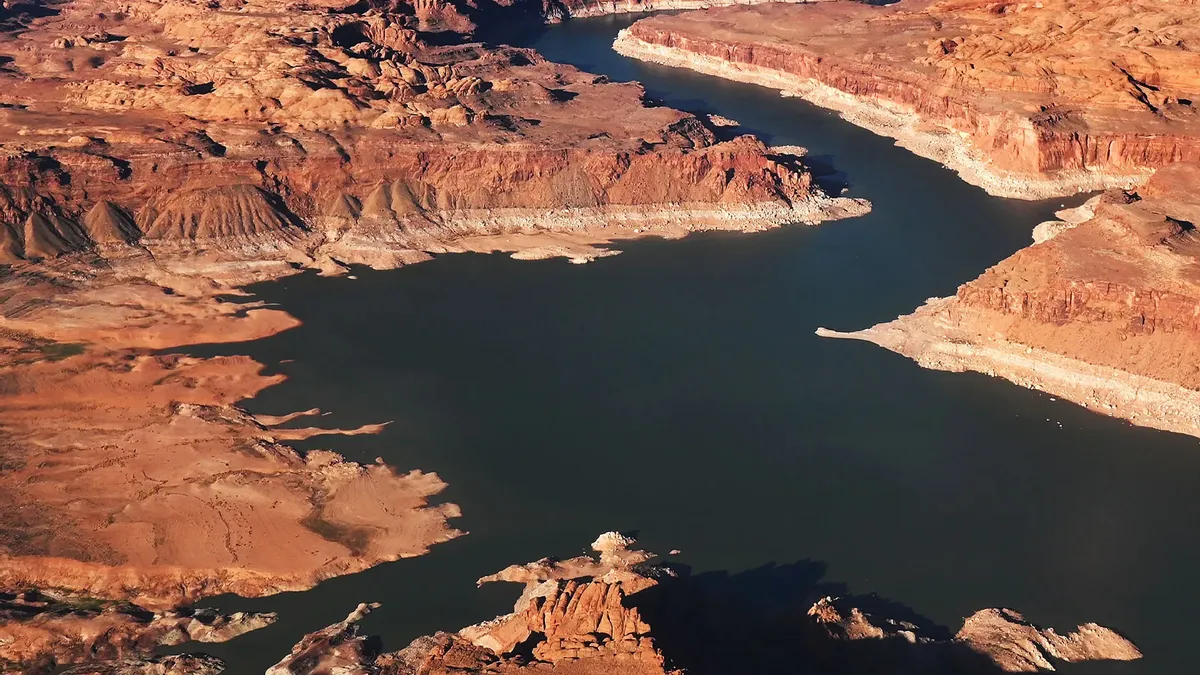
[678,390]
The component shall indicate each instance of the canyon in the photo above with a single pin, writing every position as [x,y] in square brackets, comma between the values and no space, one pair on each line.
[158,156]
[1025,99]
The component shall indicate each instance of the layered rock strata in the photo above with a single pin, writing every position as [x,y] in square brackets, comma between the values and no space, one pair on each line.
[573,617]
[1025,99]
[1102,310]
[585,615]
[557,10]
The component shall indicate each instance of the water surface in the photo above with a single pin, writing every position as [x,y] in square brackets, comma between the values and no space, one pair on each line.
[678,390]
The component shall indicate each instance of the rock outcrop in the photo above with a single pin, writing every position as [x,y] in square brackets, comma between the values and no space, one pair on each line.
[585,616]
[157,154]
[573,617]
[334,649]
[1018,646]
[1102,310]
[40,632]
[1026,99]
[256,130]
[990,640]
[577,608]
[181,664]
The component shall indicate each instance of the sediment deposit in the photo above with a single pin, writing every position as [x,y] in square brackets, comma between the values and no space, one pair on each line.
[133,475]
[1023,99]
[1102,310]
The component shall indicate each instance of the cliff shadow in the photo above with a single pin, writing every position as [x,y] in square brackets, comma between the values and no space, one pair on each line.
[826,174]
[757,621]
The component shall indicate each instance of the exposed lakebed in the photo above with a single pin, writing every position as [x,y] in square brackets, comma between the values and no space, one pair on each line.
[678,390]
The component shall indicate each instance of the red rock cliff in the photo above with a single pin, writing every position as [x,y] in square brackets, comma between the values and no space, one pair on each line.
[1049,97]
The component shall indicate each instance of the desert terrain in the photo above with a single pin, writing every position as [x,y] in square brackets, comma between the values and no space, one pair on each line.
[160,155]
[1025,99]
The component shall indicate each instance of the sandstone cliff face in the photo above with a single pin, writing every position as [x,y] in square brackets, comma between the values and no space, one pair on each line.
[1024,99]
[557,10]
[577,608]
[1102,310]
[301,133]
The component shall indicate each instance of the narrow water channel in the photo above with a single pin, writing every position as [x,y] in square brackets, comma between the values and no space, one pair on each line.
[677,390]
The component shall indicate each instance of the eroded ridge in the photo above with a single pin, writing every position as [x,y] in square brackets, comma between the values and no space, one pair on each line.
[1025,99]
[156,155]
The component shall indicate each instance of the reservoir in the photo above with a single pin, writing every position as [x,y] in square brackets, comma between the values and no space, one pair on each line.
[677,391]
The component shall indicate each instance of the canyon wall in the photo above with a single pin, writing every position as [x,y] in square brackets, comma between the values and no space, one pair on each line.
[618,613]
[343,135]
[1026,100]
[1102,310]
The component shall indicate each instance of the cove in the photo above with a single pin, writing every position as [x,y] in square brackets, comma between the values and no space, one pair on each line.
[677,390]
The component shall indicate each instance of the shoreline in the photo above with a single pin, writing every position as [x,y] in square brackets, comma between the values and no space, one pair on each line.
[947,147]
[619,7]
[579,234]
[937,336]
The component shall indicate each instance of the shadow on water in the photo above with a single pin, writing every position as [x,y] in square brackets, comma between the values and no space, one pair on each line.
[755,622]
